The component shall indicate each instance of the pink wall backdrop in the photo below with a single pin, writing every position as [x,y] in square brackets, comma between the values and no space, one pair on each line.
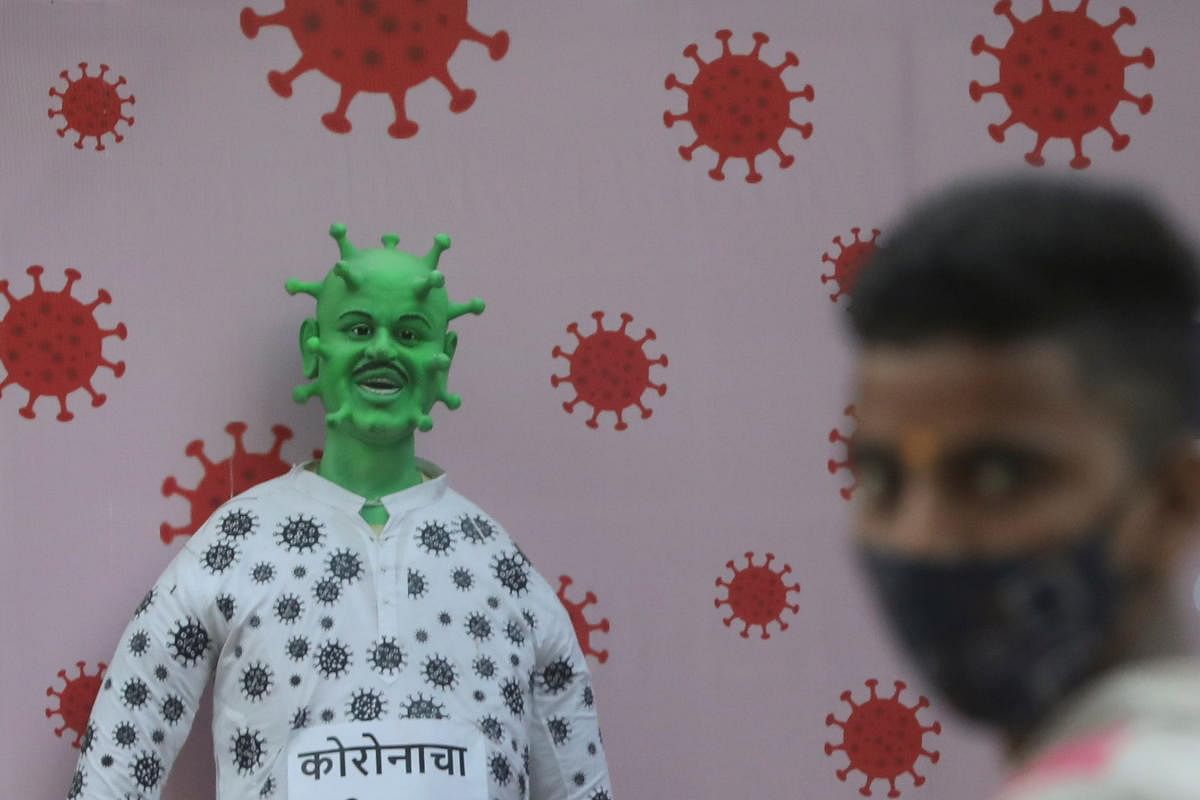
[565,194]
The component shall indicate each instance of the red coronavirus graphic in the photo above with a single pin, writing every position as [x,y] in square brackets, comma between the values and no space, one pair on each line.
[738,106]
[50,343]
[75,700]
[376,46]
[835,466]
[757,595]
[1062,75]
[609,370]
[882,738]
[224,479]
[583,628]
[91,106]
[849,261]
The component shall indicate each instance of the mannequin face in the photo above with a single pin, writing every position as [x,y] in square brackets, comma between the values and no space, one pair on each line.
[381,351]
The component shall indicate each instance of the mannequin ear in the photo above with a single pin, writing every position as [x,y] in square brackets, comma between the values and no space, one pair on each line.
[451,344]
[308,361]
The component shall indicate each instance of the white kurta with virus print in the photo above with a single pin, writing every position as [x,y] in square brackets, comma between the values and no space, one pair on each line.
[309,617]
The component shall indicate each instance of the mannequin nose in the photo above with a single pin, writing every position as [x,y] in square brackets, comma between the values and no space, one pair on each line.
[381,345]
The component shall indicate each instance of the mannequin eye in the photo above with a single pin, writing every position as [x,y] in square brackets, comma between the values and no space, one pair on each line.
[360,330]
[408,336]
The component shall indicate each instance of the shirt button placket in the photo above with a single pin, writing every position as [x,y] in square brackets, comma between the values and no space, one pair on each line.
[386,586]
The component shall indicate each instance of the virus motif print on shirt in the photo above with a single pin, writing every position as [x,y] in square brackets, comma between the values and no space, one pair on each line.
[376,46]
[310,618]
[1062,76]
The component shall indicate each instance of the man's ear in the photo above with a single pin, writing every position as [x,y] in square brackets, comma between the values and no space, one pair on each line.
[451,344]
[308,361]
[1179,508]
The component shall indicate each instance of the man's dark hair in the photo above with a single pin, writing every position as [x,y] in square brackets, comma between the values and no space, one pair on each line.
[1002,260]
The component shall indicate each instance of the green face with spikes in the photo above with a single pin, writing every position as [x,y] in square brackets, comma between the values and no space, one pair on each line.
[379,349]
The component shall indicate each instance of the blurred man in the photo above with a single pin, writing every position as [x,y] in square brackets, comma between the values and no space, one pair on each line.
[1028,479]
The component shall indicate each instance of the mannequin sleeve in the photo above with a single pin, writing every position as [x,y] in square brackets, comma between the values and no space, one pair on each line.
[152,688]
[566,751]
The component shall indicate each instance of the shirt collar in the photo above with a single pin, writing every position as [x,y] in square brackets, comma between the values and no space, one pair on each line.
[398,504]
[1151,690]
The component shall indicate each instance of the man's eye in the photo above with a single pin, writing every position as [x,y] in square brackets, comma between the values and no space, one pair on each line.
[408,336]
[996,478]
[877,481]
[361,329]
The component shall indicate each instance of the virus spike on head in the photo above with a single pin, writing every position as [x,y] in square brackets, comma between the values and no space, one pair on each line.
[473,306]
[441,243]
[390,240]
[434,280]
[342,270]
[293,287]
[338,231]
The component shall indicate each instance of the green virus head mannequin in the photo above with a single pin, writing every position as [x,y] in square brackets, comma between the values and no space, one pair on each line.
[378,353]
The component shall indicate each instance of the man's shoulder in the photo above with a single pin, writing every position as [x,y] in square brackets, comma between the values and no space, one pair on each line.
[1133,761]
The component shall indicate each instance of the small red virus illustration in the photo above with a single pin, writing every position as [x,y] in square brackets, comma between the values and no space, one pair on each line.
[1062,75]
[224,479]
[583,628]
[738,106]
[609,370]
[833,465]
[50,343]
[90,106]
[376,46]
[757,595]
[75,700]
[882,738]
[849,261]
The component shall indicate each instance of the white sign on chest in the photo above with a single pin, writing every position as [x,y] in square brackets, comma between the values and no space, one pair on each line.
[388,760]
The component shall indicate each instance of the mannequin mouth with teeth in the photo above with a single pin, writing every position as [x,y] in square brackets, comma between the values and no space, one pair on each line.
[380,380]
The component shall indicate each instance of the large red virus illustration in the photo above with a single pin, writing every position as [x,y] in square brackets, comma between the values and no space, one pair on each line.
[1062,75]
[583,628]
[90,106]
[609,370]
[738,106]
[834,466]
[75,700]
[757,595]
[380,46]
[882,738]
[50,343]
[849,261]
[224,479]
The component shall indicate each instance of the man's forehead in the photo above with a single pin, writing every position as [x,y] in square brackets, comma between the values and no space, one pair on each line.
[967,388]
